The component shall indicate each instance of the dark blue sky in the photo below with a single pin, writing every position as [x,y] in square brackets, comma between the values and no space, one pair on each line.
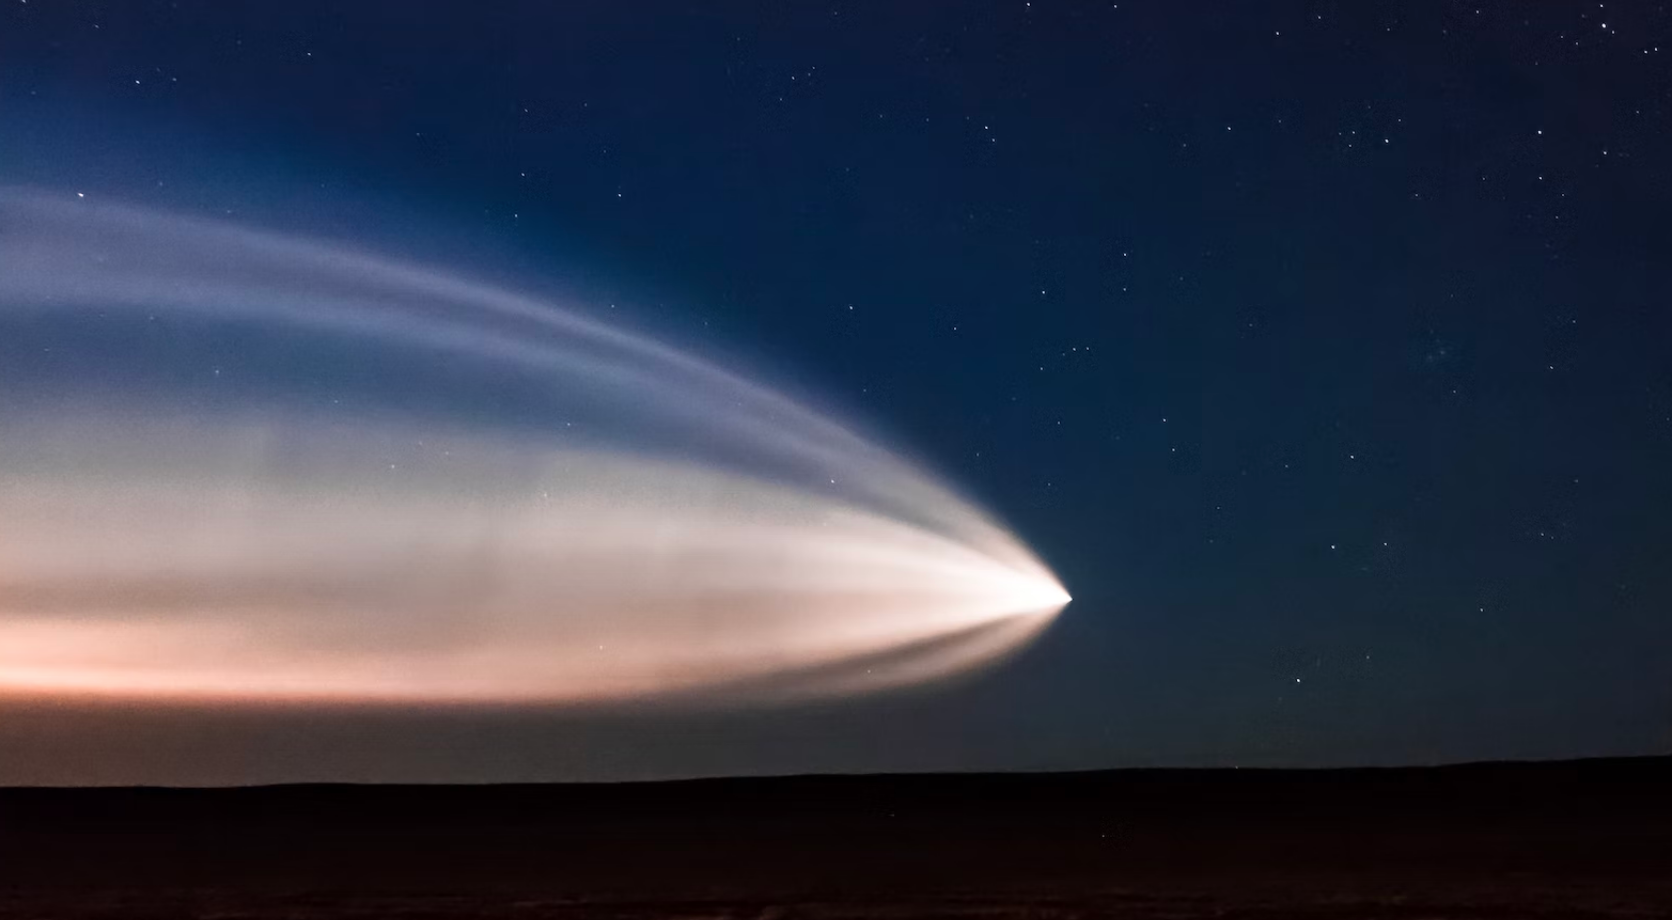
[1323,349]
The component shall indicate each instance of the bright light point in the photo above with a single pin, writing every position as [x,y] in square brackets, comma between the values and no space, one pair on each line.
[518,490]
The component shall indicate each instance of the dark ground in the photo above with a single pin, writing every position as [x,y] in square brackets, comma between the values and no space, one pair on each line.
[1578,839]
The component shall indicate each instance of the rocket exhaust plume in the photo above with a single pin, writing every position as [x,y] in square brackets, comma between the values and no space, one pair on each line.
[241,467]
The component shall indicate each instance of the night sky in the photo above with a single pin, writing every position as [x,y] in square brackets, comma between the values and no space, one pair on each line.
[1323,350]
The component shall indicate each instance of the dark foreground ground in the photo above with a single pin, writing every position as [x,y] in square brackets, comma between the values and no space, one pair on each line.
[1586,839]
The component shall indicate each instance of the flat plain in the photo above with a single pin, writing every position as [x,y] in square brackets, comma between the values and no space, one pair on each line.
[1583,839]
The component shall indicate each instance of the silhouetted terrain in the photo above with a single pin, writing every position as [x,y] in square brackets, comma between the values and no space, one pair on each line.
[1578,839]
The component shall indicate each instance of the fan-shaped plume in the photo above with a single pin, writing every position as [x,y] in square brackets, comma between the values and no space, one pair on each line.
[211,489]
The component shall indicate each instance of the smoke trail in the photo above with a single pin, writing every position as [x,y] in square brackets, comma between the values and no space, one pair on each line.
[236,465]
